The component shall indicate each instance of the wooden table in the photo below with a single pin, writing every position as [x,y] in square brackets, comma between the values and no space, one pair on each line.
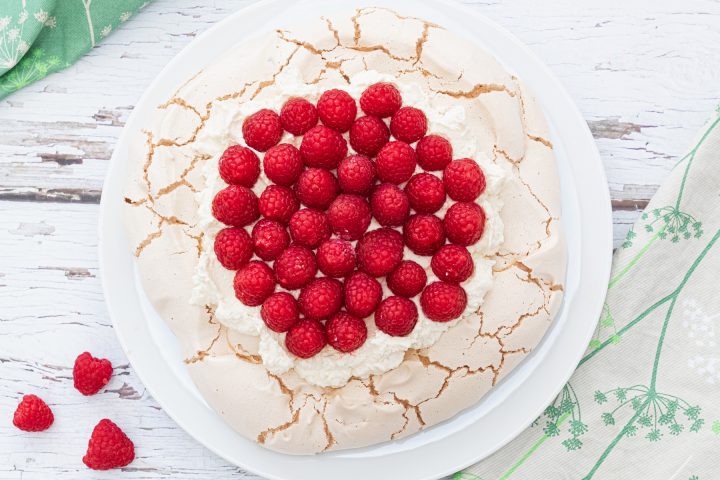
[645,74]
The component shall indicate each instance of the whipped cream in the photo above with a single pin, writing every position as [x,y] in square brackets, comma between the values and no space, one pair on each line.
[381,352]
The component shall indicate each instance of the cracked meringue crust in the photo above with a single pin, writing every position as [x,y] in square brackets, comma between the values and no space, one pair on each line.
[283,411]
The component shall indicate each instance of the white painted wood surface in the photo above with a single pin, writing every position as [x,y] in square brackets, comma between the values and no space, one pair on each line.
[645,73]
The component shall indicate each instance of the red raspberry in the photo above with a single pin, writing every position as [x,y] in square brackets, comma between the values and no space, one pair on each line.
[409,124]
[278,203]
[390,206]
[424,234]
[452,263]
[442,301]
[298,116]
[379,252]
[306,338]
[108,447]
[32,414]
[233,247]
[368,135]
[295,267]
[282,164]
[346,332]
[464,180]
[235,206]
[464,223]
[323,147]
[239,166]
[262,129]
[356,174]
[395,163]
[425,192]
[254,283]
[407,280]
[336,258]
[90,374]
[269,238]
[396,316]
[362,294]
[321,298]
[280,312]
[381,99]
[309,227]
[434,152]
[316,188]
[337,109]
[349,216]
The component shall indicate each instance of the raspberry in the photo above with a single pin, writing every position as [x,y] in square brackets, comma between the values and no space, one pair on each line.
[309,227]
[321,298]
[434,152]
[239,166]
[278,203]
[464,223]
[380,251]
[90,374]
[295,267]
[464,180]
[390,206]
[316,188]
[337,109]
[356,174]
[408,124]
[407,280]
[280,312]
[233,247]
[396,316]
[298,116]
[269,239]
[452,263]
[362,294]
[108,447]
[282,164]
[32,414]
[395,163]
[323,147]
[442,302]
[235,206]
[336,258]
[345,332]
[424,234]
[381,99]
[349,216]
[262,129]
[306,338]
[254,283]
[368,135]
[425,192]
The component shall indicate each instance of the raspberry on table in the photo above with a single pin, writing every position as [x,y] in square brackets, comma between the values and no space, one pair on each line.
[452,263]
[337,109]
[464,180]
[90,374]
[425,192]
[381,99]
[321,298]
[323,147]
[295,267]
[235,206]
[239,165]
[407,280]
[442,301]
[390,205]
[317,188]
[345,332]
[254,283]
[396,316]
[336,258]
[269,239]
[424,234]
[356,174]
[349,216]
[434,152]
[379,251]
[362,294]
[32,414]
[108,447]
[464,223]
[309,227]
[278,203]
[298,116]
[280,312]
[282,164]
[262,130]
[368,135]
[409,124]
[233,247]
[395,163]
[306,338]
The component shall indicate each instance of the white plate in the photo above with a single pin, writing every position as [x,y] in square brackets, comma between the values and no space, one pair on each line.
[468,437]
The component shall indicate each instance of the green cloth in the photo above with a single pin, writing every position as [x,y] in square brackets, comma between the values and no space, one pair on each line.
[644,402]
[38,37]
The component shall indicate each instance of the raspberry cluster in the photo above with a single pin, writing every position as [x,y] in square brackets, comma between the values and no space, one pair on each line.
[310,236]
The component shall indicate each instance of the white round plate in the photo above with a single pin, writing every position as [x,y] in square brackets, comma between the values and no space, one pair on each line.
[473,434]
